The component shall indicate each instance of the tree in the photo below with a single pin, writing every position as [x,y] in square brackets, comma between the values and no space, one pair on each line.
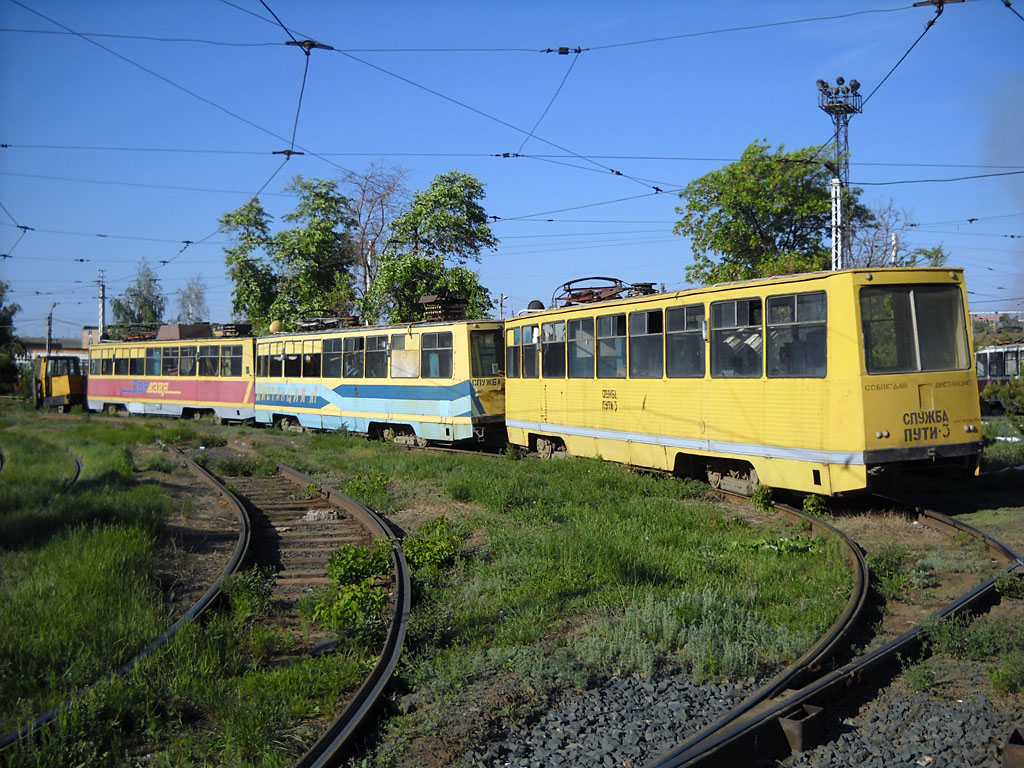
[429,246]
[296,273]
[192,301]
[376,198]
[928,257]
[10,347]
[142,303]
[404,278]
[872,243]
[882,241]
[768,213]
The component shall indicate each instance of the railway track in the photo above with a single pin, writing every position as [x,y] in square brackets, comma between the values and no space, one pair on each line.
[291,523]
[770,725]
[237,558]
[297,524]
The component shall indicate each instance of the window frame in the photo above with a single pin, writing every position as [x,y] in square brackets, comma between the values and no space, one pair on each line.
[611,333]
[743,340]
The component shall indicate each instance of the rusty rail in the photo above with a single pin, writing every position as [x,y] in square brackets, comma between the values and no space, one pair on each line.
[804,668]
[337,741]
[237,558]
[793,722]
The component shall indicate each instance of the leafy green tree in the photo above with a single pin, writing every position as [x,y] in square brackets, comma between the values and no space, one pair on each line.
[404,278]
[768,213]
[10,347]
[142,303]
[299,272]
[928,257]
[430,244]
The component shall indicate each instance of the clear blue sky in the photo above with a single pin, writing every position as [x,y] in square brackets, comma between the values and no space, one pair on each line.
[134,135]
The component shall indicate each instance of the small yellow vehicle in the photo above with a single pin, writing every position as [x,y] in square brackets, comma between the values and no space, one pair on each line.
[58,382]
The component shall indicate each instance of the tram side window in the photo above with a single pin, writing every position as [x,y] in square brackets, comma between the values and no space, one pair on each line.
[169,364]
[311,359]
[485,353]
[376,357]
[981,358]
[293,360]
[231,360]
[552,340]
[275,363]
[153,362]
[581,348]
[611,347]
[684,342]
[352,357]
[405,356]
[910,328]
[187,366]
[512,354]
[136,363]
[797,333]
[1011,362]
[646,345]
[531,344]
[121,366]
[436,355]
[996,368]
[95,366]
[736,339]
[332,358]
[209,360]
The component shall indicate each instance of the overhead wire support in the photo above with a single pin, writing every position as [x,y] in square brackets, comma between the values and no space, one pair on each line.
[308,45]
[1010,7]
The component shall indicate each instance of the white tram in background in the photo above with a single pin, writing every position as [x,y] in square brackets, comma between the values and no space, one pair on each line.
[998,365]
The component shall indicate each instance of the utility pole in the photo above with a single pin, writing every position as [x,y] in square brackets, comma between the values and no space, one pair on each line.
[840,102]
[103,307]
[49,328]
[501,306]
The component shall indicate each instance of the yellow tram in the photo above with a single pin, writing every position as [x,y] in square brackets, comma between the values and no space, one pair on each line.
[415,383]
[815,382]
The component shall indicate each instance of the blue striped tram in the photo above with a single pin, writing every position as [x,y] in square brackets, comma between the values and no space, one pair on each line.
[415,383]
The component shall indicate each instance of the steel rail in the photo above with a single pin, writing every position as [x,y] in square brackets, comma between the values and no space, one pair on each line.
[74,478]
[746,739]
[807,665]
[337,741]
[237,558]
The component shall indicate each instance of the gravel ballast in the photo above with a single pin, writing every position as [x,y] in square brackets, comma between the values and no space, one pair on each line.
[624,722]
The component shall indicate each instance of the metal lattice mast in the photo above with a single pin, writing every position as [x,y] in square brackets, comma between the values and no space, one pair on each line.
[841,102]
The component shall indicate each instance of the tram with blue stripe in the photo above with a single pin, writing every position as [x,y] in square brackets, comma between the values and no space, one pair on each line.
[438,382]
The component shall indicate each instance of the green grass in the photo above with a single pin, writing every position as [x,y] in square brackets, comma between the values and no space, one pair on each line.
[555,572]
[76,589]
[580,568]
[997,639]
[999,454]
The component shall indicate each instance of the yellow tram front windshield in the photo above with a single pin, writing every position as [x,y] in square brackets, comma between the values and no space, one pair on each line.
[913,328]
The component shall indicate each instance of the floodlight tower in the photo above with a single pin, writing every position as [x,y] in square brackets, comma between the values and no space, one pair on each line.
[840,101]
